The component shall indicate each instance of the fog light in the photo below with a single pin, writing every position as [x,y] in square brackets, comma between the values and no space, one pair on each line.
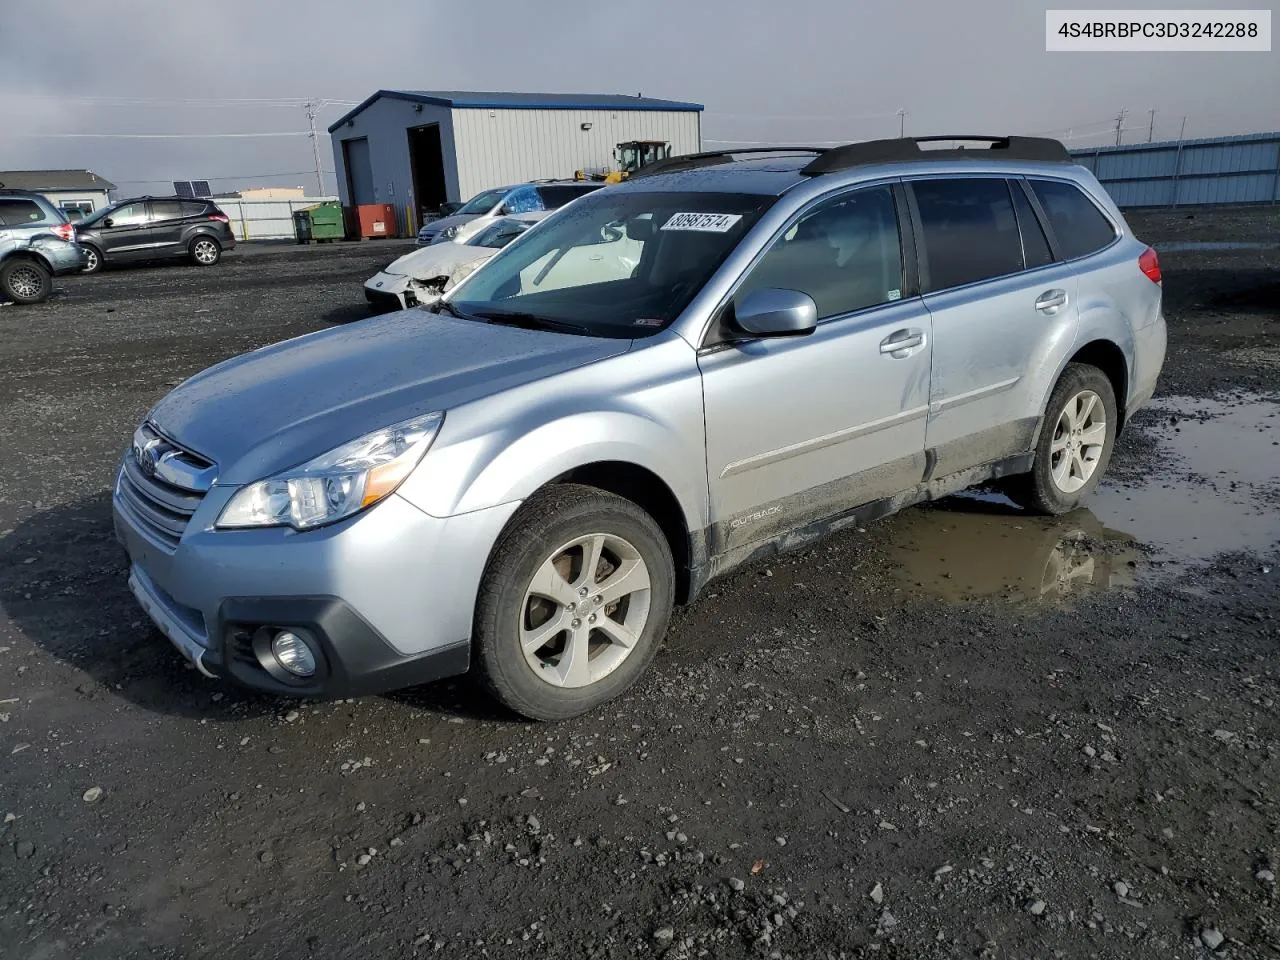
[292,653]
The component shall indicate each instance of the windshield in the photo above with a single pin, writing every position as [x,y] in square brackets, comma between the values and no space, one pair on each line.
[618,263]
[484,202]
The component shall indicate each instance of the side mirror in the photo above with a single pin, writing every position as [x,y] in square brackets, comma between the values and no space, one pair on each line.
[108,222]
[640,228]
[772,312]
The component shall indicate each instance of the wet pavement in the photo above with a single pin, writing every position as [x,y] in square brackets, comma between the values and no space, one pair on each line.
[1214,488]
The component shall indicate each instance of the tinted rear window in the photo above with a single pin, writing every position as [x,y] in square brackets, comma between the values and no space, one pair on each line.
[195,208]
[1078,224]
[970,232]
[19,211]
[167,210]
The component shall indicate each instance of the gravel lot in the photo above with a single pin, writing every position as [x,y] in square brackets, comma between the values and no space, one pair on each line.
[962,732]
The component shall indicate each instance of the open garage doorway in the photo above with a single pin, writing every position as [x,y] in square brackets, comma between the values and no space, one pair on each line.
[426,160]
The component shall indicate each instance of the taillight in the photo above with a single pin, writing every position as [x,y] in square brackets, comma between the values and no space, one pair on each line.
[1149,264]
[64,231]
[220,217]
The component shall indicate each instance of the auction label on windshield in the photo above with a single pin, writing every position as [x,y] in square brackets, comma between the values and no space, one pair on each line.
[703,222]
[1139,31]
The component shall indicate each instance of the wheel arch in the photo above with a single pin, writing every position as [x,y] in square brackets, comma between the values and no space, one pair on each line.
[29,254]
[1107,356]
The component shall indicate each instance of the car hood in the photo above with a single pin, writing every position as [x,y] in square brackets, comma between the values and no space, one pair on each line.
[438,260]
[453,220]
[282,405]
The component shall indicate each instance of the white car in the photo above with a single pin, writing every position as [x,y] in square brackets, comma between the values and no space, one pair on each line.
[422,276]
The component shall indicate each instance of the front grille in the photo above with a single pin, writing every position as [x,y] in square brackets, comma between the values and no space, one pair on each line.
[160,507]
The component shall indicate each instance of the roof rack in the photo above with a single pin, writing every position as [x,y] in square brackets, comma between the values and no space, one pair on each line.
[905,149]
[690,161]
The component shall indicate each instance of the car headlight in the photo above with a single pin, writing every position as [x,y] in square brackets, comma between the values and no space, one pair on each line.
[447,234]
[337,484]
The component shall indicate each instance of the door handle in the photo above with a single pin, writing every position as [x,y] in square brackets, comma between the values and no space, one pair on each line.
[900,343]
[1051,301]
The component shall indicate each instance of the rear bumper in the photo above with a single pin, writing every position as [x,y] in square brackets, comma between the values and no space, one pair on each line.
[1149,347]
[62,257]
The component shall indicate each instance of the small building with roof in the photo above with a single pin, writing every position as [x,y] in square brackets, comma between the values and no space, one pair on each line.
[416,149]
[77,193]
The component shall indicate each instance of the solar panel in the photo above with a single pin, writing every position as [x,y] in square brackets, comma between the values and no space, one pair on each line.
[182,188]
[201,188]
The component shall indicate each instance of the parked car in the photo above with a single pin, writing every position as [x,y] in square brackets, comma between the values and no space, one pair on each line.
[486,207]
[36,244]
[421,277]
[155,228]
[527,477]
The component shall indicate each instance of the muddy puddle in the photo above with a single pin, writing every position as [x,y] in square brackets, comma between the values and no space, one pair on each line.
[1204,480]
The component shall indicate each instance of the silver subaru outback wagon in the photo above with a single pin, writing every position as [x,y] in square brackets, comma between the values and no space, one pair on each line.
[726,357]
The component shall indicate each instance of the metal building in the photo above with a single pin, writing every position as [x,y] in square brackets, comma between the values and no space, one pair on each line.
[415,149]
[1239,169]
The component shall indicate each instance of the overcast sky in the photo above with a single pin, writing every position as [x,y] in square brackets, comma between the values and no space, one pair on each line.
[799,71]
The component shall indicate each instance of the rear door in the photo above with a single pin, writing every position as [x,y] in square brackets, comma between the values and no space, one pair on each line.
[128,236]
[167,223]
[800,429]
[1003,313]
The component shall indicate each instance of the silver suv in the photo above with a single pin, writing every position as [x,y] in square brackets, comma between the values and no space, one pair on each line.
[526,478]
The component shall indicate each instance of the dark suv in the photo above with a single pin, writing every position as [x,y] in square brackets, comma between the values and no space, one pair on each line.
[36,243]
[152,228]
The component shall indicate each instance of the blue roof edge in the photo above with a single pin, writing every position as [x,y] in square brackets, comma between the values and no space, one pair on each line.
[643,104]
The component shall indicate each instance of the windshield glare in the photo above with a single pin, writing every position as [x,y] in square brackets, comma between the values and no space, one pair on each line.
[483,203]
[618,263]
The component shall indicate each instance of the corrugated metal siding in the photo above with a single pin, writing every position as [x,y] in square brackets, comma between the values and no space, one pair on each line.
[1243,169]
[497,147]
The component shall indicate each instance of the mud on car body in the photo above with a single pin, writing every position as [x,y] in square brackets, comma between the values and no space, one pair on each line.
[526,478]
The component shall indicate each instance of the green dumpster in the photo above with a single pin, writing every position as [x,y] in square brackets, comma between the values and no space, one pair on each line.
[326,221]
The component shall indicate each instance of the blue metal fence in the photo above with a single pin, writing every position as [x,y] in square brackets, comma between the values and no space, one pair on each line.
[1240,169]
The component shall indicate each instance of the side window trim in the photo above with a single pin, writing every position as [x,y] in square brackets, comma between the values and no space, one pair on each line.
[907,257]
[1055,248]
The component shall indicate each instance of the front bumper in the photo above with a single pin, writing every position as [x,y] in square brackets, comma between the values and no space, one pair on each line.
[389,291]
[384,598]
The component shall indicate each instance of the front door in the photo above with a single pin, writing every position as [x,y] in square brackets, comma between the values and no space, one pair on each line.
[1003,313]
[128,237]
[805,428]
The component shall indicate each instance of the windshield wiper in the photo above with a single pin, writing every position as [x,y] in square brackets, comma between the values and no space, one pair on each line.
[444,306]
[531,321]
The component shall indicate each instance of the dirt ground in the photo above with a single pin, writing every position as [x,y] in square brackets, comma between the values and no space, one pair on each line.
[961,732]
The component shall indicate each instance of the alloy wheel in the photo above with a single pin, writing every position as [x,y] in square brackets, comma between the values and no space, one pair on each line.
[205,251]
[585,610]
[1079,438]
[26,282]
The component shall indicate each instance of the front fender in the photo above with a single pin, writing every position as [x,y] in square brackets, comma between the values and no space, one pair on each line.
[643,408]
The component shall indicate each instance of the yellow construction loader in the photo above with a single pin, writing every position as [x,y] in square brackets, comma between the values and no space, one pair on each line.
[631,156]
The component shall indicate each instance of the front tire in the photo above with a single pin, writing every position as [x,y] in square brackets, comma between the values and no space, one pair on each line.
[1075,443]
[573,603]
[205,251]
[24,281]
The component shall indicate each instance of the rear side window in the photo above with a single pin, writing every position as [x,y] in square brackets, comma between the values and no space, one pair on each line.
[195,209]
[1078,224]
[1035,248]
[970,231]
[167,210]
[19,211]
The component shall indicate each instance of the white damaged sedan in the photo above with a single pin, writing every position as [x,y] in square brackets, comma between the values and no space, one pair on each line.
[421,277]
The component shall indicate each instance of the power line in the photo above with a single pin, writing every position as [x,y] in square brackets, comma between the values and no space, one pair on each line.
[188,101]
[159,136]
[237,176]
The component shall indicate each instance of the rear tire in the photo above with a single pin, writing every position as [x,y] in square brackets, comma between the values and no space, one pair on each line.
[92,259]
[1074,448]
[557,634]
[205,251]
[24,281]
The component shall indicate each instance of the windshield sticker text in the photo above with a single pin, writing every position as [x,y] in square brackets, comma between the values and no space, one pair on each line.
[703,222]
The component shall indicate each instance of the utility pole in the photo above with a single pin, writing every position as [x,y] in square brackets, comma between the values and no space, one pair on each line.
[1183,129]
[902,123]
[1120,124]
[315,146]
[1151,126]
